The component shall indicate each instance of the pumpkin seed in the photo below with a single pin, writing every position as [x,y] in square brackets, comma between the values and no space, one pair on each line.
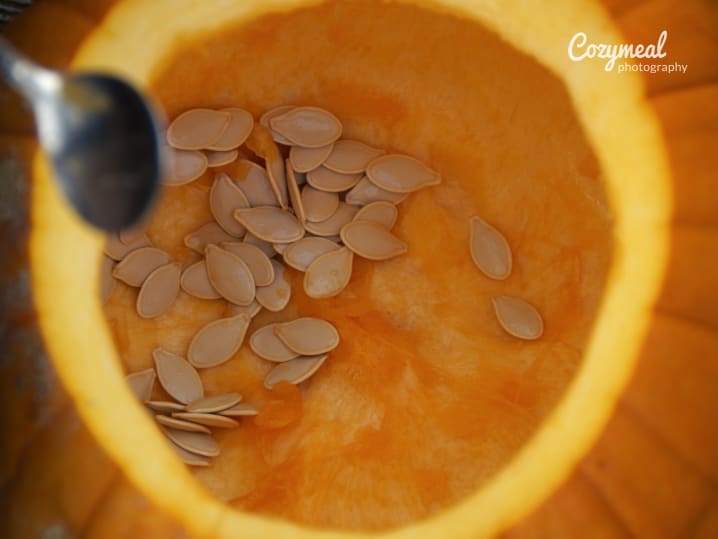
[257,262]
[224,198]
[198,443]
[195,281]
[310,127]
[329,274]
[196,129]
[137,265]
[188,458]
[131,235]
[318,205]
[275,296]
[209,233]
[365,192]
[165,406]
[220,159]
[180,424]
[252,309]
[178,378]
[351,156]
[306,159]
[400,173]
[262,144]
[372,240]
[332,226]
[107,281]
[294,371]
[489,250]
[254,183]
[240,410]
[141,383]
[117,250]
[218,341]
[267,116]
[270,224]
[333,182]
[211,420]
[265,343]
[185,167]
[381,212]
[279,248]
[518,318]
[240,126]
[229,276]
[308,336]
[216,403]
[302,253]
[264,246]
[295,196]
[159,291]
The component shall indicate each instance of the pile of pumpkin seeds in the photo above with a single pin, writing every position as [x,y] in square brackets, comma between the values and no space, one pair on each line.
[316,201]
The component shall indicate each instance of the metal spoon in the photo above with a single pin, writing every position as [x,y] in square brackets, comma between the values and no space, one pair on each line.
[101,137]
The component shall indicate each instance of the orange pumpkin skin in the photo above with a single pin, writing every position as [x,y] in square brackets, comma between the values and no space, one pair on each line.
[55,477]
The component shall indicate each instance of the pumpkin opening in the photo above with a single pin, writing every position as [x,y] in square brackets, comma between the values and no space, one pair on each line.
[426,397]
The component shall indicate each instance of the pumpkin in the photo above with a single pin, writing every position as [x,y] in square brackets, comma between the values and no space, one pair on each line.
[68,470]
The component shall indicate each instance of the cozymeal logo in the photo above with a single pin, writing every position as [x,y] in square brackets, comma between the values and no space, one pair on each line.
[579,48]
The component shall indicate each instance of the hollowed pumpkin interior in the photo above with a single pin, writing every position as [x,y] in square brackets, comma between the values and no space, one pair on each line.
[426,397]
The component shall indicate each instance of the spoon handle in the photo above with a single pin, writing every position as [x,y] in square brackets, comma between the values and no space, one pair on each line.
[31,80]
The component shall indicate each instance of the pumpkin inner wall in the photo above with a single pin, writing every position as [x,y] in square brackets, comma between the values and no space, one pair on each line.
[426,397]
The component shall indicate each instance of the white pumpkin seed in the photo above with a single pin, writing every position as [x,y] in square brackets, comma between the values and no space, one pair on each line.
[180,424]
[270,224]
[351,156]
[188,458]
[257,262]
[306,159]
[198,443]
[159,291]
[489,250]
[294,371]
[117,250]
[365,192]
[275,296]
[310,127]
[302,253]
[262,144]
[141,383]
[400,174]
[518,318]
[381,212]
[318,205]
[332,226]
[195,281]
[240,126]
[265,343]
[279,248]
[372,240]
[220,159]
[329,274]
[295,195]
[184,166]
[211,420]
[215,403]
[267,116]
[107,281]
[207,234]
[218,341]
[252,179]
[333,182]
[229,276]
[178,378]
[224,198]
[264,246]
[196,129]
[137,265]
[240,410]
[165,406]
[308,336]
[252,309]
